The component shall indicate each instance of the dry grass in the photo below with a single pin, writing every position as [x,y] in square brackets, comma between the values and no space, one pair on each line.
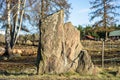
[11,70]
[106,74]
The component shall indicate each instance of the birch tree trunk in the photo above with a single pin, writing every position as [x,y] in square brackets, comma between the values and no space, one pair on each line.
[13,35]
[8,30]
[21,19]
[12,32]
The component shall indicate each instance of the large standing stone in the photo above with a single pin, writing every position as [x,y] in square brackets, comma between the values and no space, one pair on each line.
[72,44]
[60,45]
[52,43]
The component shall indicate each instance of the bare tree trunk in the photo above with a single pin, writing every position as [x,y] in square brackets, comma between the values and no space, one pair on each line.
[12,32]
[8,31]
[105,17]
[21,18]
[13,35]
[40,62]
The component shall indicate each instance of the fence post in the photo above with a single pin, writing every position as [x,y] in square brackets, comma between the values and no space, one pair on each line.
[103,53]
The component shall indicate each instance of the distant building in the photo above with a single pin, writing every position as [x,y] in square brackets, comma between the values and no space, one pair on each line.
[88,37]
[115,35]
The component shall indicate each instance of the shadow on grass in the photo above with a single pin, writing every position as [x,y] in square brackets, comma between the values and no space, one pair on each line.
[108,73]
[15,73]
[114,73]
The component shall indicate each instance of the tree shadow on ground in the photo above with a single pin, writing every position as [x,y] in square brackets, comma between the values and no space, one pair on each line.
[6,73]
[114,73]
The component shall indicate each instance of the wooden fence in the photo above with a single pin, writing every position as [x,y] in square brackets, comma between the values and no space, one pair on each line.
[97,45]
[111,53]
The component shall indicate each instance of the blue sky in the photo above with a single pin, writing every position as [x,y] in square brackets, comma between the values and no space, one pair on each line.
[80,12]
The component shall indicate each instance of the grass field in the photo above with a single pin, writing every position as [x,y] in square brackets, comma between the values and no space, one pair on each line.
[23,68]
[18,69]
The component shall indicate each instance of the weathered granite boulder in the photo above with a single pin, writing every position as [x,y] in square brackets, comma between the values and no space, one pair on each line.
[28,42]
[85,65]
[53,52]
[60,45]
[15,53]
[72,44]
[2,51]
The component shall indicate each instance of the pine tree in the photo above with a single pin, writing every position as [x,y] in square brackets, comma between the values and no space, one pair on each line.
[105,11]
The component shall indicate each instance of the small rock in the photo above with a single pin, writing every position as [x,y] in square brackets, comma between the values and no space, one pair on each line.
[17,51]
[29,71]
[5,58]
[2,51]
[29,42]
